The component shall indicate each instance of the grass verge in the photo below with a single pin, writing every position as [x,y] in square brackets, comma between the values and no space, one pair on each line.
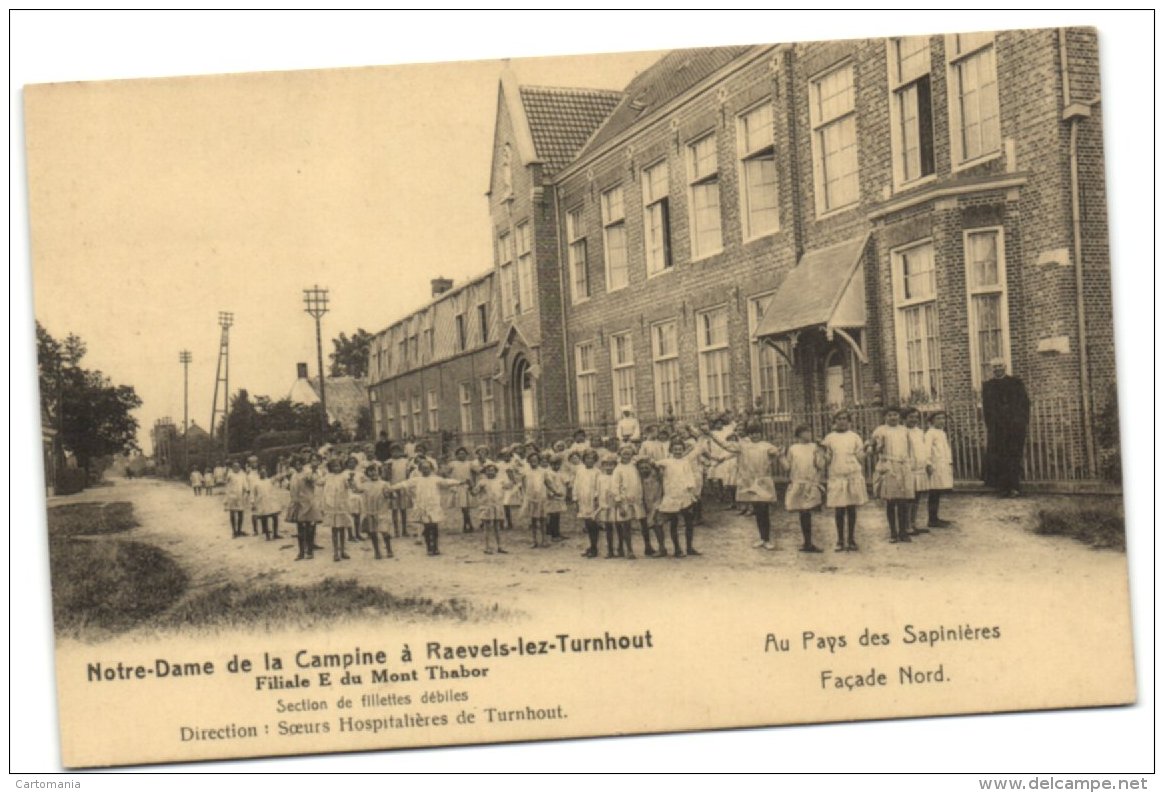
[72,520]
[102,585]
[1099,526]
[327,602]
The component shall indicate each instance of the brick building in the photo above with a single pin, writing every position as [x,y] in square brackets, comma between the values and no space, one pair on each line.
[435,369]
[801,226]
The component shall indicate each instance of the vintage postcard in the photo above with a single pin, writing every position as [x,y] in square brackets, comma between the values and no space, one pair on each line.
[492,401]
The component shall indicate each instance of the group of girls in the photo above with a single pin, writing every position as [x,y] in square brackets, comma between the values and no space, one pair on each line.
[612,487]
[909,463]
[204,482]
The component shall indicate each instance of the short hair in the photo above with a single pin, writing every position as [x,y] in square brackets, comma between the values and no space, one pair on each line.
[891,409]
[804,428]
[590,454]
[936,414]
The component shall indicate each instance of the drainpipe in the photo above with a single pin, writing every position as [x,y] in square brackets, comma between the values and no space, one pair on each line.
[1077,239]
[563,260]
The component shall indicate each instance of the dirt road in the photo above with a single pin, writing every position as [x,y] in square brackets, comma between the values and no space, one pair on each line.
[991,540]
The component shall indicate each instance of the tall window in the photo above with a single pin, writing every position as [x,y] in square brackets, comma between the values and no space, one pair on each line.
[488,421]
[614,239]
[622,367]
[665,359]
[657,217]
[832,111]
[433,411]
[525,274]
[703,190]
[430,343]
[509,285]
[771,374]
[404,353]
[919,359]
[462,333]
[715,359]
[390,419]
[417,425]
[586,379]
[973,80]
[579,270]
[757,152]
[405,424]
[414,351]
[466,395]
[910,112]
[986,283]
[483,321]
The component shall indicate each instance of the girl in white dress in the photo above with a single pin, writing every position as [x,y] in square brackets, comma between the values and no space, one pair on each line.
[755,483]
[845,491]
[939,467]
[630,500]
[894,473]
[461,469]
[377,510]
[425,489]
[917,454]
[584,491]
[680,492]
[606,494]
[338,487]
[355,471]
[490,492]
[265,504]
[558,479]
[804,460]
[235,495]
[535,483]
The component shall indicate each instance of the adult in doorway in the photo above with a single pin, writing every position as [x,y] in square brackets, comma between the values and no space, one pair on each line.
[1006,410]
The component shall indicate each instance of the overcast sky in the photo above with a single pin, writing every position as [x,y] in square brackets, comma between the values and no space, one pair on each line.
[156,203]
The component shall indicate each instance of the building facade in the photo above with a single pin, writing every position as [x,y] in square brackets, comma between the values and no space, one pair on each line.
[797,227]
[435,370]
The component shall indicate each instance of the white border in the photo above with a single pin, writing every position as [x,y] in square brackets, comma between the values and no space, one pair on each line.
[58,46]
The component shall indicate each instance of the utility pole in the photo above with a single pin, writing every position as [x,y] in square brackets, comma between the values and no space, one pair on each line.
[184,358]
[316,301]
[222,375]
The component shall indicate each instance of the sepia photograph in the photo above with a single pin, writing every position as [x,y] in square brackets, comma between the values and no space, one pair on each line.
[505,396]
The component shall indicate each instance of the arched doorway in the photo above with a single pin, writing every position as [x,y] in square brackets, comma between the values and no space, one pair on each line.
[525,411]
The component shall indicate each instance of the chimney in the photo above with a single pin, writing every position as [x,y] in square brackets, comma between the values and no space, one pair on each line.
[301,370]
[441,285]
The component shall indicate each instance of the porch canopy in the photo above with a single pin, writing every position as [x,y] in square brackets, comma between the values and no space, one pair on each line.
[825,290]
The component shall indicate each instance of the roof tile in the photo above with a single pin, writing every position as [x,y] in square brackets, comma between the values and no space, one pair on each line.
[561,120]
[673,74]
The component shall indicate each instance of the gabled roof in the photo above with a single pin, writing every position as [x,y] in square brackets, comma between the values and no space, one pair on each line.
[562,119]
[345,397]
[820,291]
[673,74]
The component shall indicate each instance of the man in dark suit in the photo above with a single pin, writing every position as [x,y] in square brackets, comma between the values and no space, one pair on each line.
[383,449]
[1006,410]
